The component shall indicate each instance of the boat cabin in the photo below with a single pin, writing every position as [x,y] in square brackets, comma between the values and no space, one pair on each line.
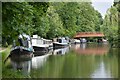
[36,40]
[62,40]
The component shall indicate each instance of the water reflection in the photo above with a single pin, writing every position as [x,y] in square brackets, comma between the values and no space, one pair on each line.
[25,63]
[101,72]
[38,61]
[61,51]
[96,49]
[100,63]
[83,45]
[22,63]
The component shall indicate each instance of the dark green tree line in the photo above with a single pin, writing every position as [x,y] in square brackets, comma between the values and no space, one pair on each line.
[48,20]
[78,17]
[20,17]
[111,24]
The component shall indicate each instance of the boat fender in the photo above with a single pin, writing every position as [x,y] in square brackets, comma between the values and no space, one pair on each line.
[30,49]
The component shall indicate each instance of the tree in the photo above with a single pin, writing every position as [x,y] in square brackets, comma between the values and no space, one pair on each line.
[110,25]
[48,20]
[40,20]
[22,17]
[55,23]
[16,18]
[78,17]
[117,5]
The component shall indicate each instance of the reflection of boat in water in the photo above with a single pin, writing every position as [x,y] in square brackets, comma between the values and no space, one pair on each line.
[83,45]
[21,63]
[38,61]
[16,57]
[61,51]
[39,53]
[75,46]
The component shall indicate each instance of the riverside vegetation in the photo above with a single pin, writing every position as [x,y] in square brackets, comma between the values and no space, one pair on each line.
[53,19]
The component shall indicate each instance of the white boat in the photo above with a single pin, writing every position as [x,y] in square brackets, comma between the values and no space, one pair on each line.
[76,41]
[40,44]
[61,42]
[25,46]
[104,41]
[83,40]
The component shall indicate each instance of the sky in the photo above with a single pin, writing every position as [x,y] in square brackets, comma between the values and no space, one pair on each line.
[102,5]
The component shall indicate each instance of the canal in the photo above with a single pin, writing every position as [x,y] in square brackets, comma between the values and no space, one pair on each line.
[91,60]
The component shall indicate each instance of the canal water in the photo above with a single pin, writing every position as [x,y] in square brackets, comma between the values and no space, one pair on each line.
[76,61]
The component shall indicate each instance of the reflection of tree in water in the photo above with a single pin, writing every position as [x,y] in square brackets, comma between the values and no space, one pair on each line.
[109,66]
[111,62]
[74,65]
[51,68]
[77,66]
[101,72]
[70,65]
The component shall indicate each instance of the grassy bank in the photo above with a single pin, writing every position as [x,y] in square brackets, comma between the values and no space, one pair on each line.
[7,71]
[5,53]
[10,73]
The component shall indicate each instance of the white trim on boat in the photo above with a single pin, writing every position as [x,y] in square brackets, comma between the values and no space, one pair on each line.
[45,45]
[60,43]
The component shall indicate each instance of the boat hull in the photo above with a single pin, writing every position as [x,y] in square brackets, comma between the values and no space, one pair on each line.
[40,49]
[20,58]
[20,51]
[58,45]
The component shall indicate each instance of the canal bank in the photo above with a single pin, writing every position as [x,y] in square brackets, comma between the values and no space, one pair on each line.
[5,52]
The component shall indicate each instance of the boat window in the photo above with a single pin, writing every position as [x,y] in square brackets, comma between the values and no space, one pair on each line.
[26,43]
[59,40]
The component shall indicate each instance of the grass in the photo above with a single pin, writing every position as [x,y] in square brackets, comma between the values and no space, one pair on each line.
[10,73]
[7,71]
[5,53]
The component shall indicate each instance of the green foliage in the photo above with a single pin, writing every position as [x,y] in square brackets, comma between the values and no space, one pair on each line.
[10,73]
[55,23]
[117,5]
[5,53]
[40,20]
[86,18]
[48,20]
[110,25]
[78,17]
[68,17]
[20,17]
[17,18]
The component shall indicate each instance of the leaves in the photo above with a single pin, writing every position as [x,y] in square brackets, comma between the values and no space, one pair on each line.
[48,20]
[110,24]
[18,18]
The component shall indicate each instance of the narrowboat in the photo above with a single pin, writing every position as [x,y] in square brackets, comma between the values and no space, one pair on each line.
[24,47]
[61,42]
[40,44]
